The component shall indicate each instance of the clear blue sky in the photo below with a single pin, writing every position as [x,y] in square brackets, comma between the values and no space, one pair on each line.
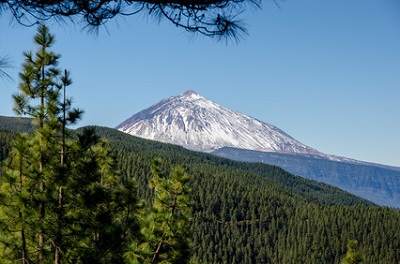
[327,72]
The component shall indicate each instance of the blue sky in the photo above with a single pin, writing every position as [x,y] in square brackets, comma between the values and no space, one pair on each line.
[327,72]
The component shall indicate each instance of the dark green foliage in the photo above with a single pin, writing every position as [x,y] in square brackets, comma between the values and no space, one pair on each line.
[352,256]
[255,213]
[98,209]
[255,172]
[95,223]
[165,226]
[363,179]
[61,198]
[16,124]
[6,139]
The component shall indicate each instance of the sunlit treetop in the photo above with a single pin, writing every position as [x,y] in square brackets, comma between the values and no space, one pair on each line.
[214,18]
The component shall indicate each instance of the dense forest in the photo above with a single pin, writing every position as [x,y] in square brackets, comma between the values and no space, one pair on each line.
[97,195]
[256,213]
[16,124]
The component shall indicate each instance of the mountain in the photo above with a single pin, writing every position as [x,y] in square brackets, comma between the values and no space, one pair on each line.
[196,123]
[377,183]
[192,121]
[148,150]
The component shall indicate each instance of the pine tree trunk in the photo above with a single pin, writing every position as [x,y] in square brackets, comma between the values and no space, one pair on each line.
[41,216]
[57,256]
[58,242]
[23,244]
[23,241]
[41,187]
[157,252]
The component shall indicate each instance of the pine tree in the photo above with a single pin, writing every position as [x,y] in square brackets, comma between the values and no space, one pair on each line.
[15,203]
[62,199]
[38,97]
[165,228]
[352,256]
[98,207]
[67,116]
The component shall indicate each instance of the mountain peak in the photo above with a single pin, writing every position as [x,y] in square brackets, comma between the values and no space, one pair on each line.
[197,123]
[189,93]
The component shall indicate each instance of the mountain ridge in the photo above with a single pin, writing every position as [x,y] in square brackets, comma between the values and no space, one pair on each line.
[196,123]
[375,182]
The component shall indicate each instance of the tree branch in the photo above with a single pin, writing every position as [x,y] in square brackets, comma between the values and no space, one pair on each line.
[208,17]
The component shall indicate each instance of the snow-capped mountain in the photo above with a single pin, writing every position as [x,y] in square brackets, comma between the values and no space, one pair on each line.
[197,123]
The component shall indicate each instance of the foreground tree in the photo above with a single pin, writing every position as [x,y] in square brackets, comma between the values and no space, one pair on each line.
[62,199]
[217,18]
[165,227]
[38,98]
[14,205]
[97,215]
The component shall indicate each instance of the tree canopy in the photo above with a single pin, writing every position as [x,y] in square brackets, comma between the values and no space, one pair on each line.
[216,18]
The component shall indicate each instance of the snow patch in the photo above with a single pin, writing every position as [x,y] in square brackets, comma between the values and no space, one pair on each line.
[197,123]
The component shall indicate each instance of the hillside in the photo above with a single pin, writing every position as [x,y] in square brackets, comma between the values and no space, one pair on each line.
[194,122]
[375,182]
[308,189]
[16,124]
[255,213]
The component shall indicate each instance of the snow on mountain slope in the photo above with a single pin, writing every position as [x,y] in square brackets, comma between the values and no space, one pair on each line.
[196,123]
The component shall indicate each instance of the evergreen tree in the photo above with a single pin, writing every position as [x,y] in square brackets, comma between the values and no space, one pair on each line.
[67,116]
[62,199]
[166,227]
[352,256]
[38,98]
[14,197]
[99,208]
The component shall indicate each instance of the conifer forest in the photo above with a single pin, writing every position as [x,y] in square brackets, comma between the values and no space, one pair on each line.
[97,195]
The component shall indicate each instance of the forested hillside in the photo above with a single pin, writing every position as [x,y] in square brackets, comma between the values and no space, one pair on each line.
[16,124]
[374,182]
[255,213]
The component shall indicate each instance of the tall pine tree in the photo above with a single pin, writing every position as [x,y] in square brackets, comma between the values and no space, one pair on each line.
[62,200]
[39,92]
[165,227]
